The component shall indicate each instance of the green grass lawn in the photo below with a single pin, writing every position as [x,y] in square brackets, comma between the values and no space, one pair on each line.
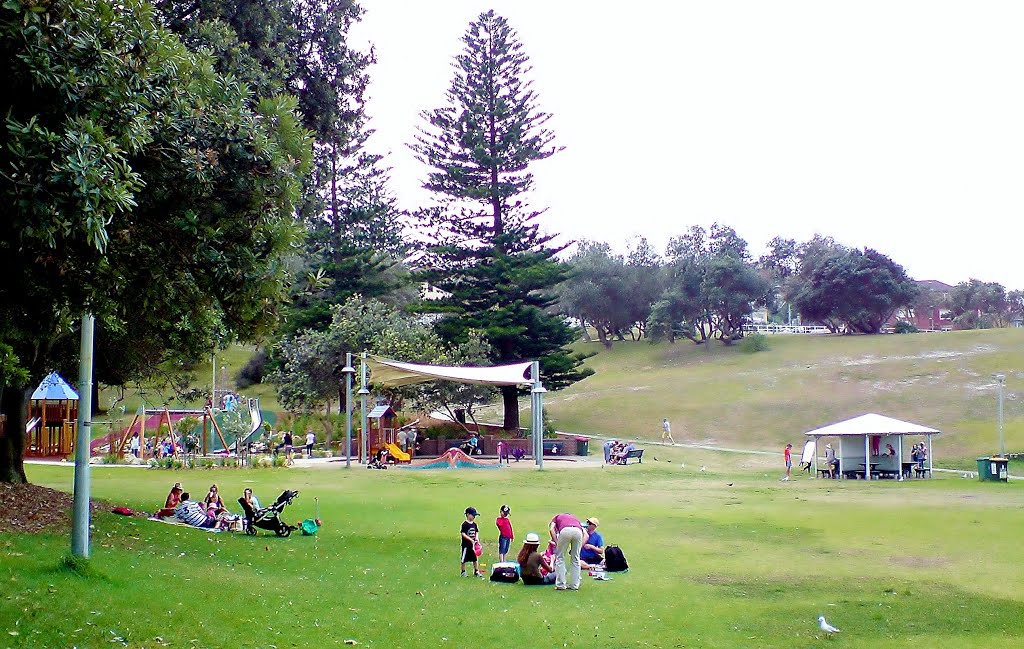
[727,558]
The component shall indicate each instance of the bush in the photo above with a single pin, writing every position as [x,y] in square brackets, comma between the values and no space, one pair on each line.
[754,343]
[903,327]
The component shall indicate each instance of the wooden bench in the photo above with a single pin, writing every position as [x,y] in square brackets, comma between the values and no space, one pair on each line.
[823,473]
[920,472]
[637,453]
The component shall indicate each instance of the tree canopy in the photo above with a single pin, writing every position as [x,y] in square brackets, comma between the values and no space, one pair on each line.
[142,186]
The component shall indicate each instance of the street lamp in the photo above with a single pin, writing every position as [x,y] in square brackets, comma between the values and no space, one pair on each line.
[1001,380]
[349,372]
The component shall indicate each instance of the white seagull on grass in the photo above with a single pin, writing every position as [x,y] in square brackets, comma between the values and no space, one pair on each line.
[826,627]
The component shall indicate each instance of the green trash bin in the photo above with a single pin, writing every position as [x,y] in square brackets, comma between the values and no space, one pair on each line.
[993,469]
[582,446]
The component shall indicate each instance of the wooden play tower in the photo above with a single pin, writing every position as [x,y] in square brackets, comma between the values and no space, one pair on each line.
[52,419]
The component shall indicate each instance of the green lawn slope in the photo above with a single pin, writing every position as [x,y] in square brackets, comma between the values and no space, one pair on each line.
[723,396]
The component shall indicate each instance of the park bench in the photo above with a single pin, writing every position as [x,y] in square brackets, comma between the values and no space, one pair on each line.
[920,472]
[637,454]
[823,473]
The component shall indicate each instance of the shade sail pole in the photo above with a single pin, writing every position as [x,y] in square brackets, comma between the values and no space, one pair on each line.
[364,391]
[537,414]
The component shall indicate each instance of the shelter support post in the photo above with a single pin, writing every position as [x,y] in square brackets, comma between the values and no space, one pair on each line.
[899,456]
[929,438]
[867,457]
[815,456]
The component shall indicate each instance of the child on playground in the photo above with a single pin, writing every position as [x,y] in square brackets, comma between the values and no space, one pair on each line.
[505,534]
[470,539]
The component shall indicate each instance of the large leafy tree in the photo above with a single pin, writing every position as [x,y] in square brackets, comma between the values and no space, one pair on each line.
[141,186]
[848,289]
[597,291]
[975,304]
[711,286]
[486,252]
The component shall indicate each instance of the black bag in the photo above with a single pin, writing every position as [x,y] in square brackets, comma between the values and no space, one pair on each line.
[614,560]
[506,573]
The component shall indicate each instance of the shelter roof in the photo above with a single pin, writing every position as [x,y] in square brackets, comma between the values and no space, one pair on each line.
[55,388]
[872,424]
[395,373]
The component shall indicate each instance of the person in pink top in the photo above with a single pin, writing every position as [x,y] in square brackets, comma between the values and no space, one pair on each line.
[567,533]
[505,534]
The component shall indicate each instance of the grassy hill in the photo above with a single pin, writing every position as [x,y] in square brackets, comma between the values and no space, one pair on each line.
[723,396]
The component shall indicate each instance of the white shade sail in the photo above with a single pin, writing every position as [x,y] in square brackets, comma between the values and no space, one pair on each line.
[872,424]
[395,373]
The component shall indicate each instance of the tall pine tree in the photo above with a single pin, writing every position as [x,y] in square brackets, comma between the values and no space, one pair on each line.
[486,251]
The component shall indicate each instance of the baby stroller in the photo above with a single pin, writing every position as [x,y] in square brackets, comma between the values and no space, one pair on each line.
[269,518]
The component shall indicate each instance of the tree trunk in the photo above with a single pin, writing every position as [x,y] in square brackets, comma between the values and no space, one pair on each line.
[12,441]
[510,398]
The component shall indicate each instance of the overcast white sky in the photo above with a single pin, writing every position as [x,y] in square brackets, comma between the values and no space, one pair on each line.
[894,125]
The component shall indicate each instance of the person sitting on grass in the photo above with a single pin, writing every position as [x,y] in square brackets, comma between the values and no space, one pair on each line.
[535,568]
[173,500]
[214,503]
[193,513]
[592,554]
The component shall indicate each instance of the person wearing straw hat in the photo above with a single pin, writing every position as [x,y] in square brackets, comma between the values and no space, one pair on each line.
[830,460]
[534,567]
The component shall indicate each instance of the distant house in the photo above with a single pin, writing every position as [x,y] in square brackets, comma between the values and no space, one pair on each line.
[931,317]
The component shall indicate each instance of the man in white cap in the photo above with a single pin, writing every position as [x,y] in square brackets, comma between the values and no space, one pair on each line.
[592,553]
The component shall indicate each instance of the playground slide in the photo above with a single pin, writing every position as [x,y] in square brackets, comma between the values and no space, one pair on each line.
[397,452]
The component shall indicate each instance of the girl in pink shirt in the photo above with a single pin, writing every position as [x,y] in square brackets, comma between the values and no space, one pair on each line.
[505,534]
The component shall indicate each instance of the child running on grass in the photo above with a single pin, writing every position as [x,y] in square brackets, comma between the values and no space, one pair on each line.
[470,538]
[505,534]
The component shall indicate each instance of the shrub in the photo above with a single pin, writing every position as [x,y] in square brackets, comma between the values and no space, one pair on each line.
[754,343]
[904,327]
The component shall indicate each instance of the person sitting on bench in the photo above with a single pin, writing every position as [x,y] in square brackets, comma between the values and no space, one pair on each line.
[470,445]
[620,457]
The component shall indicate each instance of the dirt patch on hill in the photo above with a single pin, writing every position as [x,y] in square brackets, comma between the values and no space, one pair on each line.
[32,509]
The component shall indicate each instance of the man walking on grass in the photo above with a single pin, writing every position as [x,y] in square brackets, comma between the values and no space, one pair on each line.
[666,431]
[789,460]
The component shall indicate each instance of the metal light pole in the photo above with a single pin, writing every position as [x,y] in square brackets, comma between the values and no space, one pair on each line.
[1001,379]
[80,521]
[364,448]
[348,371]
